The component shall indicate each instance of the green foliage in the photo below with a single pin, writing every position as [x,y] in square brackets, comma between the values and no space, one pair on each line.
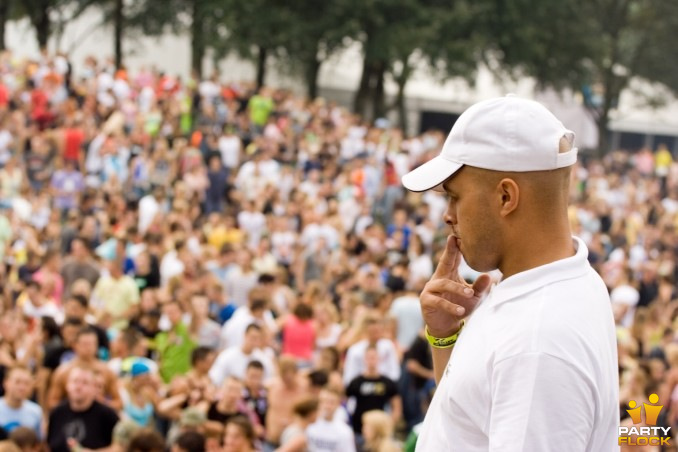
[585,43]
[561,43]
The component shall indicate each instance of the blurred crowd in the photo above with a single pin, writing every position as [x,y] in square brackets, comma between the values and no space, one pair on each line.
[198,265]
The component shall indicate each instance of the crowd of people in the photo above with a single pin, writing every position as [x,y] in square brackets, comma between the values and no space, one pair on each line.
[198,265]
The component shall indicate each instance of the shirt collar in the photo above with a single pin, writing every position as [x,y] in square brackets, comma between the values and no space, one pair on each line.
[535,278]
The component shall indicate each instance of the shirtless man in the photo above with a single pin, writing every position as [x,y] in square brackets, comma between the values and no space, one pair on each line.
[283,392]
[85,348]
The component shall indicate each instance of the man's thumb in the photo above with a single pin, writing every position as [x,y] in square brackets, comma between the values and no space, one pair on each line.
[482,285]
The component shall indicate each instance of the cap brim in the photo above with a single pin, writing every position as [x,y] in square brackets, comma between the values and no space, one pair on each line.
[430,174]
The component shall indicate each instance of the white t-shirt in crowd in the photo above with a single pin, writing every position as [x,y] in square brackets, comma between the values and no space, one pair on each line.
[407,312]
[324,436]
[254,225]
[238,285]
[233,331]
[208,90]
[420,269]
[331,339]
[389,365]
[5,140]
[534,369]
[233,362]
[170,266]
[313,231]
[229,147]
[625,297]
[283,243]
[149,207]
[49,309]
[29,415]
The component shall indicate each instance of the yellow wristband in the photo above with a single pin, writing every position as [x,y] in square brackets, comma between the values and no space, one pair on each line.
[443,342]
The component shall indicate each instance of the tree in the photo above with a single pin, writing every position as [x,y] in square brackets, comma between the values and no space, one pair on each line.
[316,31]
[38,12]
[633,41]
[596,45]
[399,34]
[197,17]
[118,27]
[41,14]
[255,30]
[444,37]
[4,18]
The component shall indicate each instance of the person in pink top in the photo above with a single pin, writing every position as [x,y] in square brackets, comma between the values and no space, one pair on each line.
[49,273]
[298,334]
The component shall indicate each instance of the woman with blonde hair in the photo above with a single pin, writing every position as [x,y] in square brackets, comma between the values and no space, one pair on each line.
[378,432]
[327,327]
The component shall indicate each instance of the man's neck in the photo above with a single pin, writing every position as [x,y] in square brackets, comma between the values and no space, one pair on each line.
[81,406]
[13,402]
[539,252]
[371,374]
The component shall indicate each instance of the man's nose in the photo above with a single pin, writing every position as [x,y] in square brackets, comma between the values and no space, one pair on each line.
[449,218]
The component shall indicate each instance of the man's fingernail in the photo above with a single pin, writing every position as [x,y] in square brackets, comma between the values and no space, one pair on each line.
[460,310]
[468,291]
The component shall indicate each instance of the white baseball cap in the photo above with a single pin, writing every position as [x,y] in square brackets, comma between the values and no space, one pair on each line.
[502,134]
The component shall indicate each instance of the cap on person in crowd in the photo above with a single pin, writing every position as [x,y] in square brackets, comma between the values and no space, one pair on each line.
[503,134]
[139,368]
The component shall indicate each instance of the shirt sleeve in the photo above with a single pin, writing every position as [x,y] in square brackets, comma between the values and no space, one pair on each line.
[540,402]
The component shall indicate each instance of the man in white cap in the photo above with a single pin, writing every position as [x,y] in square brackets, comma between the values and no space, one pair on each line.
[530,365]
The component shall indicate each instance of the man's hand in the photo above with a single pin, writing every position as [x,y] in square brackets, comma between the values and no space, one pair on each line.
[446,298]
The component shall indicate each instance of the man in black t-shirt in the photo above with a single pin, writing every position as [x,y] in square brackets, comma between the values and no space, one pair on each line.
[418,380]
[76,307]
[372,391]
[230,404]
[56,356]
[255,393]
[80,421]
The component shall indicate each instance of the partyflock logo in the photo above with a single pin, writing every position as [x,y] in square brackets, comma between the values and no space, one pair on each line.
[648,434]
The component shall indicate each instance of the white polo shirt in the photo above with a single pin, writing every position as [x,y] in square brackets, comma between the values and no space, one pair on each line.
[535,368]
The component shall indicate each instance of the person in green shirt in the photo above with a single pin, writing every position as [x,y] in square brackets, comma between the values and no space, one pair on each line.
[260,107]
[411,441]
[174,347]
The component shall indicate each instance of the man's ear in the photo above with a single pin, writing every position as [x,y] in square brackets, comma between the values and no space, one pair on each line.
[509,196]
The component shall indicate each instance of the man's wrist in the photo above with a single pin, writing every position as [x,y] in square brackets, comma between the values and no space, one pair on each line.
[454,329]
[444,341]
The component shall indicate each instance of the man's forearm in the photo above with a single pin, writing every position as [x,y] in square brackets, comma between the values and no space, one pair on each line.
[441,356]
